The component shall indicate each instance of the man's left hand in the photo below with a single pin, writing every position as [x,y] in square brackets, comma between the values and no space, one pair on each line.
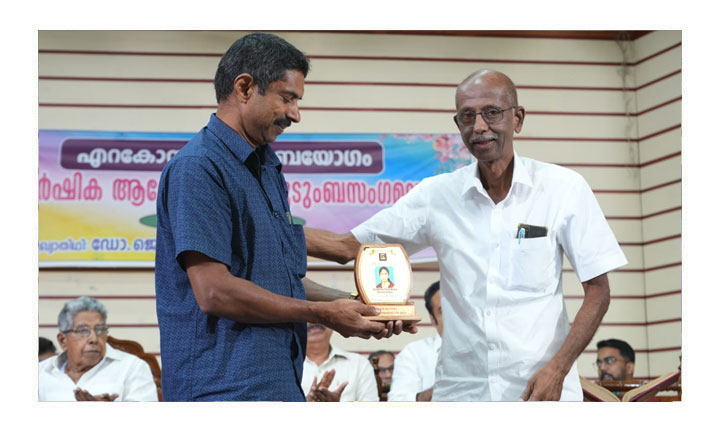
[85,396]
[545,385]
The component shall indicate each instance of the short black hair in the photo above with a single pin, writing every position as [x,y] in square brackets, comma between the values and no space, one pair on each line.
[46,346]
[264,56]
[429,293]
[379,353]
[626,351]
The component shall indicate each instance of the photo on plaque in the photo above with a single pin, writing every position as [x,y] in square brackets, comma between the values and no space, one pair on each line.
[383,277]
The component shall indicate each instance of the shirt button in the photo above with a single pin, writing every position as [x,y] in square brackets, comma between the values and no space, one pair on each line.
[492,347]
[276,214]
[488,313]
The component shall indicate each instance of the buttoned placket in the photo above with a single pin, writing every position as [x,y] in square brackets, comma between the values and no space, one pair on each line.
[493,290]
[494,283]
[263,178]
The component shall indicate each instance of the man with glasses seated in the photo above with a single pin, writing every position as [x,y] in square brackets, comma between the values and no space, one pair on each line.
[500,227]
[89,369]
[386,365]
[615,360]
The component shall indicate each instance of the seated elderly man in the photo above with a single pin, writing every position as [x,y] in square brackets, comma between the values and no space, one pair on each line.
[88,369]
[331,374]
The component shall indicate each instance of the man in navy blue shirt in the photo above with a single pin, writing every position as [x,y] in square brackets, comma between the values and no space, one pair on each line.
[232,297]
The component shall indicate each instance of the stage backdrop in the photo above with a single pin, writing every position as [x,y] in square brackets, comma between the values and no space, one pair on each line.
[97,190]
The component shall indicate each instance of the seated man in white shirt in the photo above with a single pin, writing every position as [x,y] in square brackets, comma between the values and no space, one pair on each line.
[88,369]
[414,373]
[331,374]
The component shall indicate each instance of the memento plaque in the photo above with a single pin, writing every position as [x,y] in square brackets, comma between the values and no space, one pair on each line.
[383,277]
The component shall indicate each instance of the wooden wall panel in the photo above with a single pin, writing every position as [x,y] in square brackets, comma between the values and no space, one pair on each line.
[664,335]
[662,199]
[663,362]
[661,145]
[661,173]
[663,280]
[661,226]
[659,92]
[664,308]
[622,311]
[576,151]
[663,253]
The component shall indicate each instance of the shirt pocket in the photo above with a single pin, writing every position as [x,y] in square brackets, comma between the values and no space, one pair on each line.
[296,250]
[532,264]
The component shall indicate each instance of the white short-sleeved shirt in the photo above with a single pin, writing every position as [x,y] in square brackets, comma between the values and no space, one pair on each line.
[414,369]
[503,310]
[118,372]
[350,367]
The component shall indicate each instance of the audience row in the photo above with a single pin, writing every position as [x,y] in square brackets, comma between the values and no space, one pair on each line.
[89,369]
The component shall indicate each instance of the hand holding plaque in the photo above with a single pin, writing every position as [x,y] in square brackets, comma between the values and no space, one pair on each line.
[384,279]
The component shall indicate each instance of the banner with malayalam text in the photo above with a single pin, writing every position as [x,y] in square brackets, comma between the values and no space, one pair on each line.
[97,190]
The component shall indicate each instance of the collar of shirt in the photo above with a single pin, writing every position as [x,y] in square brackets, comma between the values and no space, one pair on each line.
[335,352]
[520,175]
[56,363]
[241,148]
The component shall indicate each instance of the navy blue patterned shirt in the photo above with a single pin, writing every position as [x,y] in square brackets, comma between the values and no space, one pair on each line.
[220,197]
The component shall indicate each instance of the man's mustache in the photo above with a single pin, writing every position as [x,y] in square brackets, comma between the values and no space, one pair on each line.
[475,138]
[283,122]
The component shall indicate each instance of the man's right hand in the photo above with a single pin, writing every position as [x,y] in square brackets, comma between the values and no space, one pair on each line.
[346,318]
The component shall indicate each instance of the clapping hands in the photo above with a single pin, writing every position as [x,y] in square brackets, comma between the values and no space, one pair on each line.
[320,392]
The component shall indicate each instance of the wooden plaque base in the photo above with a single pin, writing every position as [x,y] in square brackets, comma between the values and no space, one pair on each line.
[405,313]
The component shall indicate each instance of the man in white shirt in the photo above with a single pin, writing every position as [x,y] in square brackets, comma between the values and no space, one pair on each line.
[88,369]
[331,374]
[500,227]
[414,373]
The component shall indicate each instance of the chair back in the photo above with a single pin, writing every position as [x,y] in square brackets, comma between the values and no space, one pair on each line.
[136,349]
[381,389]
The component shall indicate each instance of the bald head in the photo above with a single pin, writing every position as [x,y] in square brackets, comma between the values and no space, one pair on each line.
[488,116]
[488,78]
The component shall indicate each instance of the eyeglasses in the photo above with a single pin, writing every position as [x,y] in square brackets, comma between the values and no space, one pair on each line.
[489,115]
[607,360]
[83,332]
